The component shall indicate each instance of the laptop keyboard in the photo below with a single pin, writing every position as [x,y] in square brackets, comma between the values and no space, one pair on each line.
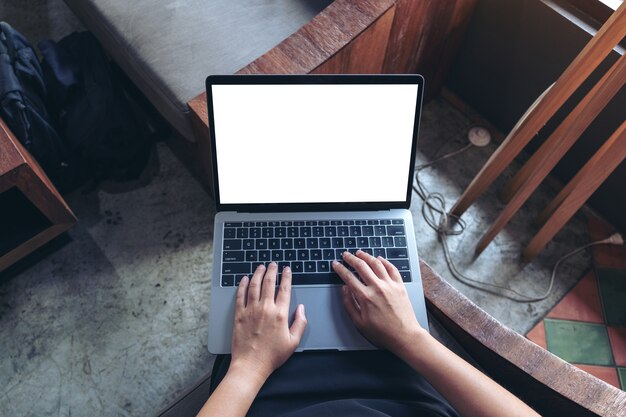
[309,247]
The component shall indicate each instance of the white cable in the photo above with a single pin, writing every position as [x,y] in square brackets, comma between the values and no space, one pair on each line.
[436,203]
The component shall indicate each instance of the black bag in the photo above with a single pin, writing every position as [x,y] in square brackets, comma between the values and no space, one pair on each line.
[22,97]
[92,111]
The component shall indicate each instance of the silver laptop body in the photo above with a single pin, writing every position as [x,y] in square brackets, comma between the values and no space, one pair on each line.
[296,157]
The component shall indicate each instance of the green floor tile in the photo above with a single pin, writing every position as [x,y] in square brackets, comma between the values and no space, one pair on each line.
[576,342]
[622,377]
[612,284]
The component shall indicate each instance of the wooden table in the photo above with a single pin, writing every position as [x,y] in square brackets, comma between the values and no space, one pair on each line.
[32,212]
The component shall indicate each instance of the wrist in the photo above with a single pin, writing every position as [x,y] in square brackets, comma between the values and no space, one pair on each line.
[411,342]
[249,373]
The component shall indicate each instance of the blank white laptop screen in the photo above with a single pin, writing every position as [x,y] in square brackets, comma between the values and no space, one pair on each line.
[347,143]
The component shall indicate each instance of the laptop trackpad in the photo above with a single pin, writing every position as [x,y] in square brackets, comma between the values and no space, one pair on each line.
[328,323]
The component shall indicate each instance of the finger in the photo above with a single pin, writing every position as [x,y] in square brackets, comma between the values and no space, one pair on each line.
[364,270]
[351,305]
[298,325]
[374,263]
[241,293]
[348,278]
[393,272]
[269,283]
[254,288]
[284,291]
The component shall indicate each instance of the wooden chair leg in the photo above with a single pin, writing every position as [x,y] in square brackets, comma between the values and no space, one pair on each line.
[599,167]
[612,32]
[559,142]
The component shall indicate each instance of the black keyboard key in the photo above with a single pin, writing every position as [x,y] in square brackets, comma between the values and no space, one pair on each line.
[233,224]
[242,233]
[311,223]
[312,243]
[251,255]
[277,255]
[292,232]
[232,244]
[399,241]
[328,254]
[248,224]
[267,232]
[335,222]
[303,255]
[355,230]
[316,254]
[375,242]
[362,242]
[380,230]
[325,242]
[368,251]
[323,266]
[236,268]
[337,242]
[323,223]
[297,267]
[305,231]
[256,264]
[316,279]
[280,232]
[298,223]
[228,280]
[273,224]
[350,242]
[230,233]
[387,241]
[397,221]
[286,243]
[310,266]
[299,243]
[233,256]
[286,223]
[348,222]
[330,231]
[339,253]
[395,230]
[248,244]
[372,222]
[318,231]
[260,244]
[255,232]
[264,255]
[274,244]
[385,221]
[379,252]
[290,255]
[367,230]
[260,224]
[360,222]
[397,253]
[342,231]
[406,276]
[401,264]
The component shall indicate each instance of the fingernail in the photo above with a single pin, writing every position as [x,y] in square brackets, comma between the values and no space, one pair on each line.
[346,253]
[359,251]
[286,268]
[273,264]
[335,263]
[261,266]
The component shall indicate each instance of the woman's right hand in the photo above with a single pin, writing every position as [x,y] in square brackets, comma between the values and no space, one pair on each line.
[378,304]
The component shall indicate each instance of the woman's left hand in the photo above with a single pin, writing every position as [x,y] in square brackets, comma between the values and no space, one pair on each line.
[262,338]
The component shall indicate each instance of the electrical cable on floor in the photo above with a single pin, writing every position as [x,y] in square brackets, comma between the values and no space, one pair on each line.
[434,204]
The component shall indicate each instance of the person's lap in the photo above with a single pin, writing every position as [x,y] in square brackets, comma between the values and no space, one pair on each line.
[314,383]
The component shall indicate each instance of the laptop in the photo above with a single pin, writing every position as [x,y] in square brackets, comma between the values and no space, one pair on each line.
[304,168]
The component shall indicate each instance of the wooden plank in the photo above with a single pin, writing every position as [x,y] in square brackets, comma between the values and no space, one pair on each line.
[583,65]
[588,179]
[550,153]
[548,384]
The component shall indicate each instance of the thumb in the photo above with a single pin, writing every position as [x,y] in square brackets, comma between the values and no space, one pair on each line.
[298,325]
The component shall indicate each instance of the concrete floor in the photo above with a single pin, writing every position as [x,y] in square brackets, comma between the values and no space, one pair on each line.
[113,322]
